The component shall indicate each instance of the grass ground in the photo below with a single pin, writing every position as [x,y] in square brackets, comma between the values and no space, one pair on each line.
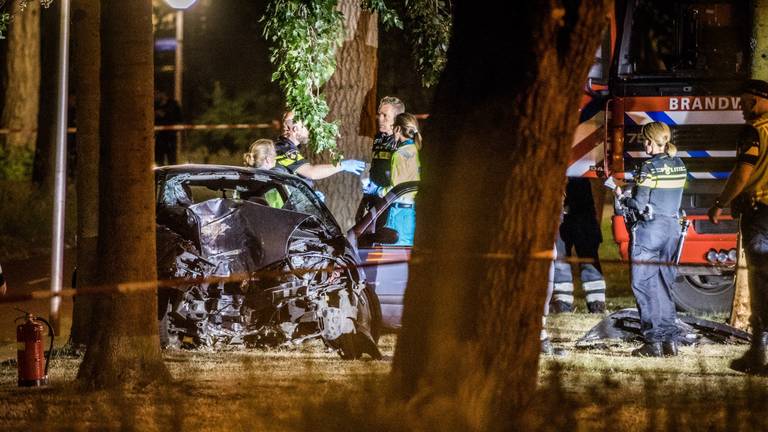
[311,388]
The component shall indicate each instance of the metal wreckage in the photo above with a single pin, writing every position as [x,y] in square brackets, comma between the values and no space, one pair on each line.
[267,264]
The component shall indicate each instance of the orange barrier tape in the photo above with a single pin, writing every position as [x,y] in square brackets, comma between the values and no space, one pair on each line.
[136,287]
[183,127]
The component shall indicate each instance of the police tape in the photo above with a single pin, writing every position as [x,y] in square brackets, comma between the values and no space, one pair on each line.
[416,259]
[274,124]
[174,127]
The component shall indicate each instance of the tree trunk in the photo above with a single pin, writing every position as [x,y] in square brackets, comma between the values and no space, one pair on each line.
[125,349]
[351,95]
[493,174]
[22,90]
[44,161]
[86,67]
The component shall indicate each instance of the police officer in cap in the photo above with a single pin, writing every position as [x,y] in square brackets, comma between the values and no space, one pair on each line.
[656,198]
[384,145]
[296,134]
[746,193]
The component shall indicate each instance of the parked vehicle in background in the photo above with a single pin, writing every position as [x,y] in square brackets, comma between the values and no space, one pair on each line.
[292,273]
[682,63]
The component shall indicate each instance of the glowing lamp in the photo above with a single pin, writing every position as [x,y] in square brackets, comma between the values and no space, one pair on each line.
[180,4]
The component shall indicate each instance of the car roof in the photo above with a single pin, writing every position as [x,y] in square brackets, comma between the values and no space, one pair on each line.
[172,170]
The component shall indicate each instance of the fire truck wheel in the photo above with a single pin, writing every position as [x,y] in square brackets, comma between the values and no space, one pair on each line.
[703,293]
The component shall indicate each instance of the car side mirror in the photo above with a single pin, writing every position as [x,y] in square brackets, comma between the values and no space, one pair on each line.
[382,236]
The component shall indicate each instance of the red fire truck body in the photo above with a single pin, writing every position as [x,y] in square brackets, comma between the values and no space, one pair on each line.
[682,63]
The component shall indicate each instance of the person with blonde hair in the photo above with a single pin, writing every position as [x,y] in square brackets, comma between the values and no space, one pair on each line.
[405,167]
[656,199]
[261,154]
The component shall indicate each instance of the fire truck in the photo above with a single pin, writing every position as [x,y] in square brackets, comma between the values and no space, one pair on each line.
[682,63]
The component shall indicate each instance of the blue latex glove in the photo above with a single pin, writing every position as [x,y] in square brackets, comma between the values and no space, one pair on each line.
[371,189]
[353,166]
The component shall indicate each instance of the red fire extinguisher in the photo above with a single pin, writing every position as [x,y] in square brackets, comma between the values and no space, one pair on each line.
[29,339]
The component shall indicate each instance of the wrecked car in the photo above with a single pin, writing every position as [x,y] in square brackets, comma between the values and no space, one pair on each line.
[255,258]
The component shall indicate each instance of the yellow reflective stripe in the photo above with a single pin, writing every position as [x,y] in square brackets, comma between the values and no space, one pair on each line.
[670,176]
[289,159]
[382,155]
[284,161]
[670,184]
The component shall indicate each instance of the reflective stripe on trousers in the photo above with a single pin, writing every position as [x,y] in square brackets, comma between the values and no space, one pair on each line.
[591,278]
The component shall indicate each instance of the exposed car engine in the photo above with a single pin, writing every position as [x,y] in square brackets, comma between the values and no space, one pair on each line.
[259,276]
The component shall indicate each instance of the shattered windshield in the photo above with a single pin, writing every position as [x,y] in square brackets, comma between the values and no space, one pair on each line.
[283,193]
[693,38]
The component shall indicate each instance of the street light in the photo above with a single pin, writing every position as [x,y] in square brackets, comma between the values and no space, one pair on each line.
[180,6]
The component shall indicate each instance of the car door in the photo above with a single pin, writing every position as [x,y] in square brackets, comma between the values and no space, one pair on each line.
[385,264]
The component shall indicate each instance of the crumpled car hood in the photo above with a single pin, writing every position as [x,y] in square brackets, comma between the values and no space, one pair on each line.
[248,236]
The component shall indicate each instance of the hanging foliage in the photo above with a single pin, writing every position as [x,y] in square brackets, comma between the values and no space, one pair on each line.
[304,36]
[429,28]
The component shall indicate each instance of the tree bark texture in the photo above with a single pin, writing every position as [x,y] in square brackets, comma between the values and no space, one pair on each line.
[351,96]
[740,308]
[125,349]
[759,67]
[493,174]
[22,71]
[44,162]
[86,68]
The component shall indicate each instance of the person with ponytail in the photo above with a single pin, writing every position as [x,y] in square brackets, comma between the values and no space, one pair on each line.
[405,167]
[656,197]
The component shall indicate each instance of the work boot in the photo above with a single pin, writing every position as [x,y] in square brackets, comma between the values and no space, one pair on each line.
[649,349]
[755,360]
[596,307]
[669,348]
[559,306]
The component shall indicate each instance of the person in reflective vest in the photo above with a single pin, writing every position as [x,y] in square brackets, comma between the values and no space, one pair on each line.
[405,167]
[656,198]
[746,193]
[296,134]
[384,144]
[262,155]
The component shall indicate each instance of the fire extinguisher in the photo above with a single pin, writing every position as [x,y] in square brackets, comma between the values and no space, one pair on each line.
[29,339]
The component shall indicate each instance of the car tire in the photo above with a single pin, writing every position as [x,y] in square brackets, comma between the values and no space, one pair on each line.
[352,346]
[702,294]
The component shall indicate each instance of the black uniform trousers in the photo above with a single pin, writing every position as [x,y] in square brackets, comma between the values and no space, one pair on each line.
[653,244]
[754,228]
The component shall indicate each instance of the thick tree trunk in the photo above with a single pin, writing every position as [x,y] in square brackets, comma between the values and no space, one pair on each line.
[86,67]
[22,91]
[493,175]
[351,95]
[125,349]
[43,165]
